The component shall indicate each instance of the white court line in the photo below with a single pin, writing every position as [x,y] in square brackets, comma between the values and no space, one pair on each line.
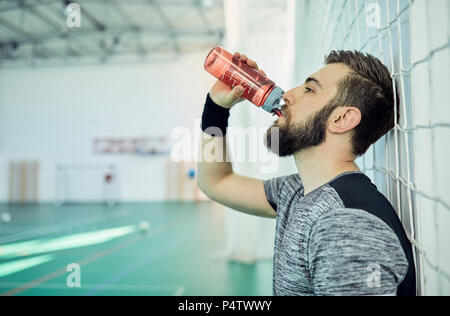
[178,290]
[58,227]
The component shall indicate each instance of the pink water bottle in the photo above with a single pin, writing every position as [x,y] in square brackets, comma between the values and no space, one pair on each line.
[259,90]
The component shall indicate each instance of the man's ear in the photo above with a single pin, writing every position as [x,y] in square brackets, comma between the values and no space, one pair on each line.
[344,119]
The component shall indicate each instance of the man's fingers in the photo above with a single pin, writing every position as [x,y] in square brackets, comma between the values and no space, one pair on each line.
[247,60]
[262,71]
[238,91]
[252,64]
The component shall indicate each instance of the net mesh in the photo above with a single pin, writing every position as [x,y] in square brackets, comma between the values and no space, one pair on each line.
[408,165]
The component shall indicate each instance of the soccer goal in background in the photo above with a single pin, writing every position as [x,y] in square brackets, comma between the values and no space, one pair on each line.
[87,182]
[409,164]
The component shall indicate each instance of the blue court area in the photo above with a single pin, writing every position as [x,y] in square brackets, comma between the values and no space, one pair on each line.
[180,253]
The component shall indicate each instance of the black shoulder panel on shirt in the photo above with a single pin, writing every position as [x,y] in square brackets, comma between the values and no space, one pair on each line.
[358,192]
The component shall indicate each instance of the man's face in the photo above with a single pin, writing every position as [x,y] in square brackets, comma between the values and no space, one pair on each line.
[307,111]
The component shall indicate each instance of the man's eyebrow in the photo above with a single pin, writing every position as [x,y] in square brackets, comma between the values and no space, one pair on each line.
[312,79]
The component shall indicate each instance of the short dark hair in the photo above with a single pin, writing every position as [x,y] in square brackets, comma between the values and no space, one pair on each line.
[369,87]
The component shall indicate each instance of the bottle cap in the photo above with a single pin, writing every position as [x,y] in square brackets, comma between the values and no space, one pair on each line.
[272,102]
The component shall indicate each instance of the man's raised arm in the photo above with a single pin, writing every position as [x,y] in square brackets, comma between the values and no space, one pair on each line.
[215,174]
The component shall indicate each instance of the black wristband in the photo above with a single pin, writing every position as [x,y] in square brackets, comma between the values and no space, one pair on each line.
[214,118]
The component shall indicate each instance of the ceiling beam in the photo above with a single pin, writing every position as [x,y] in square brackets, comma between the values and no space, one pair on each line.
[171,30]
[16,29]
[60,32]
[201,12]
[125,15]
[98,32]
[165,3]
[45,18]
[66,35]
[42,38]
[26,37]
[96,22]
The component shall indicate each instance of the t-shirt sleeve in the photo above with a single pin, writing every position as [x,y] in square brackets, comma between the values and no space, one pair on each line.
[352,252]
[272,187]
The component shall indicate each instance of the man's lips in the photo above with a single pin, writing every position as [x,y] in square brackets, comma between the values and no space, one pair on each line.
[284,112]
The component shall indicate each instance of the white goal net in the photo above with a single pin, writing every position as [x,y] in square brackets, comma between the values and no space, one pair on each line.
[409,164]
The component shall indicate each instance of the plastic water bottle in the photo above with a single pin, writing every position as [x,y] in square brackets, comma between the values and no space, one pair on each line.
[259,90]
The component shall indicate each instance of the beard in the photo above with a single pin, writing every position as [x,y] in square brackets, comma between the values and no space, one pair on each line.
[287,139]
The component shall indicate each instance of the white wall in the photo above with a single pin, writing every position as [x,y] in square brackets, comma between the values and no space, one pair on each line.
[52,115]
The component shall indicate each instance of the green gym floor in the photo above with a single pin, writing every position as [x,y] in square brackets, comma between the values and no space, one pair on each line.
[179,255]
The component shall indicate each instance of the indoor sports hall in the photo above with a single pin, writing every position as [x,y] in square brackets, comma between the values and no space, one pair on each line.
[101,105]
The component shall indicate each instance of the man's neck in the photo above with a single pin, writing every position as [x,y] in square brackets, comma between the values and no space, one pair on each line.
[318,165]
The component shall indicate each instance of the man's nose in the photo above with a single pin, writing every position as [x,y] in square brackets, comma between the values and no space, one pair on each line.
[286,99]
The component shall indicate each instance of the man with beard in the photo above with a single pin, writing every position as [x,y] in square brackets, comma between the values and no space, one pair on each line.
[335,233]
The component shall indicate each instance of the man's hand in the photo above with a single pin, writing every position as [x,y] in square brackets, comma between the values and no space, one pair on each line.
[216,178]
[227,97]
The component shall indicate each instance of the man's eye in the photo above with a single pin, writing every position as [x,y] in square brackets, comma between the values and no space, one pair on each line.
[308,90]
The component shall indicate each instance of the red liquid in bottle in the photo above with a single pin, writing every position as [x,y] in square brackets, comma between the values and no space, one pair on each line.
[231,71]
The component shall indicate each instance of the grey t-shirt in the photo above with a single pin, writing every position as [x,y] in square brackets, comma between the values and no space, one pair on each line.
[344,238]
